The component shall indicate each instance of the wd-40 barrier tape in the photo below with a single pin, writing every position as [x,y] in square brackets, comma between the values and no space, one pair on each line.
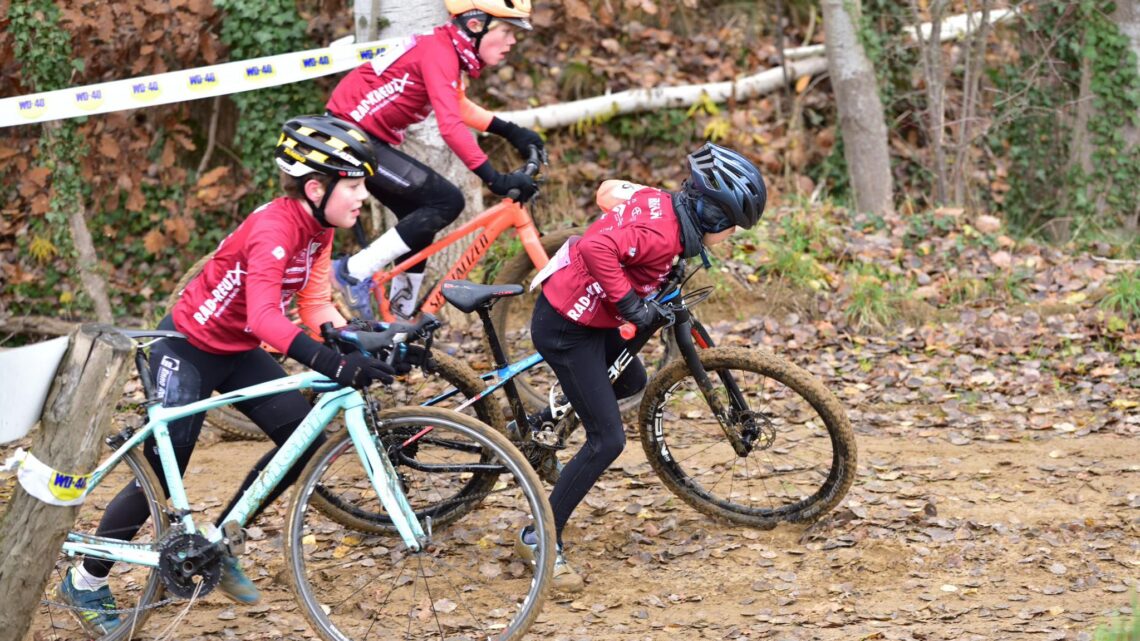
[191,84]
[44,483]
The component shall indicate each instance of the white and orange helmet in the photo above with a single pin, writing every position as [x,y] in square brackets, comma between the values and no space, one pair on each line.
[516,12]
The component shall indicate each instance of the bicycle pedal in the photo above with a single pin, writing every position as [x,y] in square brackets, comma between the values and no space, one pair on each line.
[233,537]
[547,439]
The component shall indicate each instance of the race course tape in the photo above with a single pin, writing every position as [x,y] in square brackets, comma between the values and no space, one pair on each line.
[44,483]
[191,84]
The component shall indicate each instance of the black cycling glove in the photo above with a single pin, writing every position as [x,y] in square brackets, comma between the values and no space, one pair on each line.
[520,138]
[502,184]
[636,310]
[350,370]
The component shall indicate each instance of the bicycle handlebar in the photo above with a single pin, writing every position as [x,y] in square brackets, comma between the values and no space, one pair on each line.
[535,159]
[381,342]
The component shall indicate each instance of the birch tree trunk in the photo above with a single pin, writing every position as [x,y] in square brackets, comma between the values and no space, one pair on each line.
[423,140]
[1127,19]
[860,110]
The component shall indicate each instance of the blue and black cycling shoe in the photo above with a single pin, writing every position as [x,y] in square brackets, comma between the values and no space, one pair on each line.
[235,585]
[90,607]
[357,293]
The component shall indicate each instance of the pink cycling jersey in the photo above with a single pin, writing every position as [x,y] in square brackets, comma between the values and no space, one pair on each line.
[632,245]
[239,299]
[385,96]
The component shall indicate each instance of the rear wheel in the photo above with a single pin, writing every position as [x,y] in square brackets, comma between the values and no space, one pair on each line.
[135,588]
[801,460]
[466,582]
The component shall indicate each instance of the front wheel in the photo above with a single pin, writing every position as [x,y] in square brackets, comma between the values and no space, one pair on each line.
[465,582]
[801,453]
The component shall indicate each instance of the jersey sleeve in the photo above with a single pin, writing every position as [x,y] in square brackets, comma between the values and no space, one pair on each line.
[612,193]
[605,254]
[472,114]
[441,79]
[314,301]
[267,251]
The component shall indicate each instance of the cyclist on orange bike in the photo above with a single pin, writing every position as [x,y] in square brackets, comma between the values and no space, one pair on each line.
[279,251]
[402,86]
[601,280]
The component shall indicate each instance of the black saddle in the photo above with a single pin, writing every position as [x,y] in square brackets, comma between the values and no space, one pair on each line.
[468,296]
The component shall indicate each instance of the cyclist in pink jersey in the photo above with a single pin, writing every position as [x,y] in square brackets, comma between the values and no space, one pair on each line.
[601,280]
[237,302]
[402,86]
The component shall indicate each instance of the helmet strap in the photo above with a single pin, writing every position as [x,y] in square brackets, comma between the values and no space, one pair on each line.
[319,210]
[476,36]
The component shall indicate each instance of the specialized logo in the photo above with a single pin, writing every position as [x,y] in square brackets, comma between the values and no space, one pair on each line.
[221,296]
[380,96]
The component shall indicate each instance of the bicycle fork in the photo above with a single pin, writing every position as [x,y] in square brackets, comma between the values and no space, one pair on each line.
[726,416]
[384,479]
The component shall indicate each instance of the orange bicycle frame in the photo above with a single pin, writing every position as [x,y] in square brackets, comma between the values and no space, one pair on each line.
[493,222]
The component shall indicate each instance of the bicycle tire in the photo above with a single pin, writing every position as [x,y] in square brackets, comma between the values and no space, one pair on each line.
[694,460]
[459,375]
[511,318]
[137,585]
[345,582]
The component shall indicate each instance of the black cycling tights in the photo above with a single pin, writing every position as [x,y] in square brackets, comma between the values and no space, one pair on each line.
[184,374]
[423,201]
[580,357]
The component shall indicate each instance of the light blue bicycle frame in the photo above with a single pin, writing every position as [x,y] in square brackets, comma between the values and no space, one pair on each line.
[329,404]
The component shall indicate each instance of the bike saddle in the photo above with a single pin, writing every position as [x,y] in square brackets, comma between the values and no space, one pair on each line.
[468,296]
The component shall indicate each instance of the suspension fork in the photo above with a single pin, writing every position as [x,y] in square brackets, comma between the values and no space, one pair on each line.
[683,331]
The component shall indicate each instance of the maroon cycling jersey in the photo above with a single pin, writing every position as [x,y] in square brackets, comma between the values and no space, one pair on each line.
[632,245]
[239,299]
[404,85]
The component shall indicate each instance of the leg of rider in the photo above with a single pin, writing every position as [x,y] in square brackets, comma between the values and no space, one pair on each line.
[407,187]
[278,416]
[183,374]
[633,378]
[577,356]
[422,213]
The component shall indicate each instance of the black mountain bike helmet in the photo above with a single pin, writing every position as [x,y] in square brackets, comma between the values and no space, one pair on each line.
[732,183]
[324,145]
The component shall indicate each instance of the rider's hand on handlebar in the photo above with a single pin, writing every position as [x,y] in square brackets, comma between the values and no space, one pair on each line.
[359,370]
[642,313]
[524,187]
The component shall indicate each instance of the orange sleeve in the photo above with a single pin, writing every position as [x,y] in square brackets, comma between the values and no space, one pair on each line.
[314,301]
[614,192]
[472,114]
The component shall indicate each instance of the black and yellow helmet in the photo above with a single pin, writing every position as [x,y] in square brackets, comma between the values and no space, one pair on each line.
[324,145]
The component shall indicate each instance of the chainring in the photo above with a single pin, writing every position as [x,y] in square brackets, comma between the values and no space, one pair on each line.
[189,563]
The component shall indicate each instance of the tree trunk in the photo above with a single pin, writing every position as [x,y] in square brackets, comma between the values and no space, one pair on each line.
[75,418]
[975,65]
[860,110]
[423,141]
[931,51]
[1127,19]
[88,264]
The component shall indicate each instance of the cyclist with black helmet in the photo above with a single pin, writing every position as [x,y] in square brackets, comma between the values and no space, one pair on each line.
[601,280]
[423,74]
[279,251]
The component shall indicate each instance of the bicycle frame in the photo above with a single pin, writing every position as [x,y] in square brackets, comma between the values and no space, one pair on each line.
[334,400]
[493,222]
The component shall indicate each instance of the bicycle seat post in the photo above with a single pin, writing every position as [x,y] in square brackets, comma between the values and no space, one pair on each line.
[500,356]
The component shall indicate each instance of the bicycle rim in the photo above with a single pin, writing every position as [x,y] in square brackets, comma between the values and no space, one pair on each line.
[135,588]
[803,458]
[344,505]
[465,583]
